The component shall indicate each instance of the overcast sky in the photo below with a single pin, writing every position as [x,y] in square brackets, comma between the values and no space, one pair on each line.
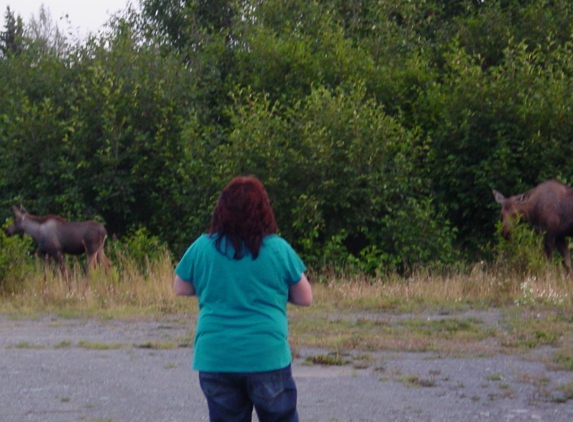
[85,15]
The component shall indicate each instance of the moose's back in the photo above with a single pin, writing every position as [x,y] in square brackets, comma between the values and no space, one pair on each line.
[78,237]
[550,208]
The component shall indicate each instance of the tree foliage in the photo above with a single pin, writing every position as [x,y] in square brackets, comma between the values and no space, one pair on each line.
[378,127]
[11,38]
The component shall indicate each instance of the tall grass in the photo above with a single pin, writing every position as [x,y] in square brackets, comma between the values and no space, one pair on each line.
[476,287]
[127,289]
[139,283]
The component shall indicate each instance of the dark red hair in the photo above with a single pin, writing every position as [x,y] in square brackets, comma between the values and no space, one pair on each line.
[243,216]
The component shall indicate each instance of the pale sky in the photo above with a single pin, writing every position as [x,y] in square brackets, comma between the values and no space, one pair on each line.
[84,15]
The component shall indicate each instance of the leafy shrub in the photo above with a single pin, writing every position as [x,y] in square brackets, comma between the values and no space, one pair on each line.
[138,247]
[14,260]
[523,254]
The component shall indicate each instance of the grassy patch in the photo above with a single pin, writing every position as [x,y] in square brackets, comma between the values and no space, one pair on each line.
[99,346]
[415,380]
[565,393]
[63,344]
[157,345]
[460,329]
[371,332]
[330,360]
[27,345]
[494,377]
[563,359]
[530,328]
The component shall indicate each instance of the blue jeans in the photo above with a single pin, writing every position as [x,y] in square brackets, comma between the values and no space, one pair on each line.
[231,396]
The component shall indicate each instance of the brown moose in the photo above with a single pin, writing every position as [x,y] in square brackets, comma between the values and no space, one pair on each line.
[56,237]
[549,209]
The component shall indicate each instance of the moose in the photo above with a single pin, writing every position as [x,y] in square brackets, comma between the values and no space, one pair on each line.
[55,237]
[548,207]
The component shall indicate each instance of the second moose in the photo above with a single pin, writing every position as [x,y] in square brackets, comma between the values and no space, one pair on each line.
[549,209]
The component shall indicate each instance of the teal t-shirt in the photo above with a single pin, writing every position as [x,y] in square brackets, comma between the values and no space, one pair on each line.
[242,324]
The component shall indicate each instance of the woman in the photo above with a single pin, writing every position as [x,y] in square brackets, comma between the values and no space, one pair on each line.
[243,274]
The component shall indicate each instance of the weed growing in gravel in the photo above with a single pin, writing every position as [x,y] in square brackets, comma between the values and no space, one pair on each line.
[534,327]
[563,359]
[566,392]
[163,345]
[99,346]
[415,380]
[331,360]
[494,377]
[27,345]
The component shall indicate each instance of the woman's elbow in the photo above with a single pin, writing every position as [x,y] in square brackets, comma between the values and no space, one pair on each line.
[183,288]
[301,293]
[306,301]
[301,299]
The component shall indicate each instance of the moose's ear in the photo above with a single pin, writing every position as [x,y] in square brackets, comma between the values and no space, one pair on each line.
[499,198]
[522,197]
[17,211]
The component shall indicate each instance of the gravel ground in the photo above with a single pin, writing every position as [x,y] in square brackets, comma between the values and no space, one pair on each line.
[54,369]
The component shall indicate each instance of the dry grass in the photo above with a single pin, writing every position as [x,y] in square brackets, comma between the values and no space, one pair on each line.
[475,288]
[127,290]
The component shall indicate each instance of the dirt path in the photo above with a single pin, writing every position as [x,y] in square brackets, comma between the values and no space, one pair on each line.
[54,370]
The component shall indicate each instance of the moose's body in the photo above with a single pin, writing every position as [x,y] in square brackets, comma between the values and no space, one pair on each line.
[56,237]
[549,209]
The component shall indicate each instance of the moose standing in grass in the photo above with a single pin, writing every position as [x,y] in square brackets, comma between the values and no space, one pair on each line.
[56,237]
[549,209]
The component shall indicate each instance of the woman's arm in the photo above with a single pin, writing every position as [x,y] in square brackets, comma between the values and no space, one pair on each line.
[301,292]
[182,287]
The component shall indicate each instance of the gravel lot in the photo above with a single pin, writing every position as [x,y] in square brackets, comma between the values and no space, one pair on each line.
[54,369]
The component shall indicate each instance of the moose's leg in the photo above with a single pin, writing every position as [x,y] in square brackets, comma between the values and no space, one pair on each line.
[99,254]
[102,259]
[549,244]
[90,255]
[96,254]
[92,260]
[59,257]
[47,261]
[96,258]
[562,247]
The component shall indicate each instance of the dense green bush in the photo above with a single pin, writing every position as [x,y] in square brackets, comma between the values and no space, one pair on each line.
[137,248]
[524,253]
[15,260]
